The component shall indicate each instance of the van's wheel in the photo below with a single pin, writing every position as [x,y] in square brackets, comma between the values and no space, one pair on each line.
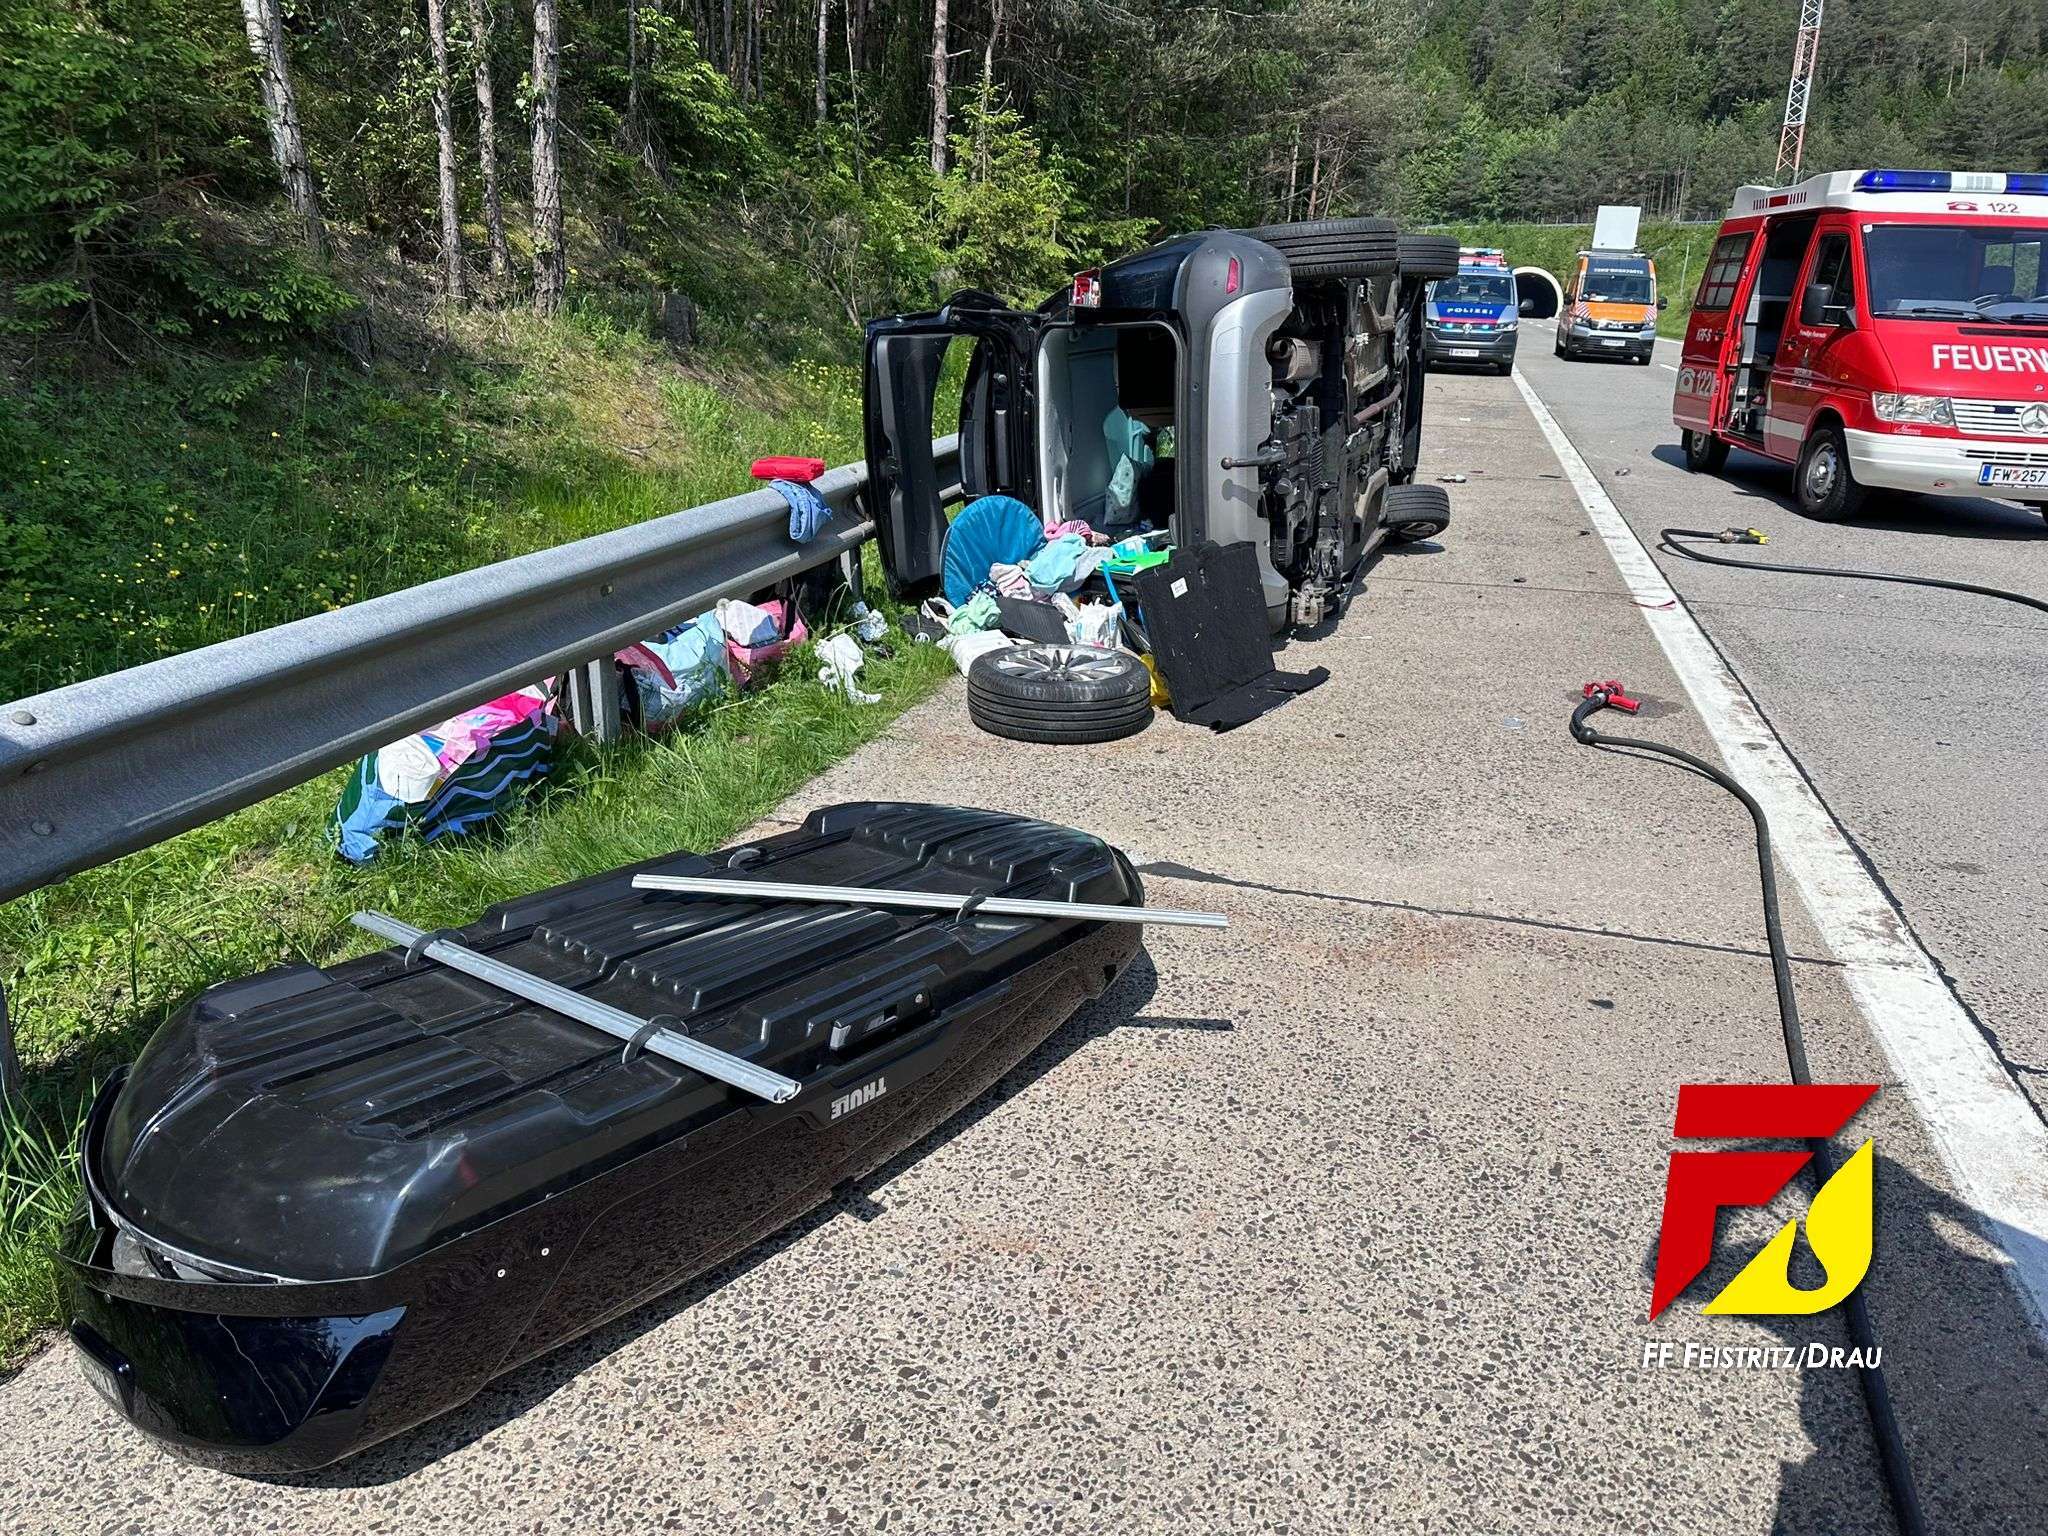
[1428,257]
[1827,489]
[1704,452]
[1335,247]
[1059,693]
[1413,512]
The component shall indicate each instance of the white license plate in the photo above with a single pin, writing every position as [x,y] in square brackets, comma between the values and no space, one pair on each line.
[1464,351]
[2013,474]
[1610,341]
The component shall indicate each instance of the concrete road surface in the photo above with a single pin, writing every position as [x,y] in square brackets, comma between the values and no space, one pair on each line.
[1340,1221]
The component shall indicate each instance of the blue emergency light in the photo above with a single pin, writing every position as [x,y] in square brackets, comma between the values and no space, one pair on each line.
[1952,181]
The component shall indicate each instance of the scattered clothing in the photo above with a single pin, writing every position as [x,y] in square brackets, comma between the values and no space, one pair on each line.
[842,660]
[990,531]
[672,675]
[746,624]
[480,763]
[1010,580]
[868,626]
[1075,525]
[1053,568]
[807,510]
[749,663]
[979,612]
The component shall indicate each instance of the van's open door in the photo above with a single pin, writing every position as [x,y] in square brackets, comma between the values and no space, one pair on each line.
[1712,349]
[998,451]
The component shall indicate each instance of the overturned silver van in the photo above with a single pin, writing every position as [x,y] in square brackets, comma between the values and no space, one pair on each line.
[1260,386]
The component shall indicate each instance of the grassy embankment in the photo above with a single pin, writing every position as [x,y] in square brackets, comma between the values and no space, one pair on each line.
[163,510]
[1678,250]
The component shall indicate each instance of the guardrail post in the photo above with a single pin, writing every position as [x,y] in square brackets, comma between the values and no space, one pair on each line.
[10,1062]
[594,699]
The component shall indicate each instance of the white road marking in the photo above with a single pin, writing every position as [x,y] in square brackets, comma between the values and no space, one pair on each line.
[1669,367]
[1993,1144]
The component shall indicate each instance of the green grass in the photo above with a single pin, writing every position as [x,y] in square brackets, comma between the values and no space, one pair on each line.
[159,510]
[1678,250]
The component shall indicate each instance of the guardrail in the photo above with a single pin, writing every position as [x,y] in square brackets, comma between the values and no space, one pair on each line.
[104,767]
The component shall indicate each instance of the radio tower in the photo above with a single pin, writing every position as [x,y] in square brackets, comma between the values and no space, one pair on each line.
[1792,141]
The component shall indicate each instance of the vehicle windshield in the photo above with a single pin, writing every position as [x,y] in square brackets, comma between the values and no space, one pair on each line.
[1475,288]
[1617,285]
[1951,271]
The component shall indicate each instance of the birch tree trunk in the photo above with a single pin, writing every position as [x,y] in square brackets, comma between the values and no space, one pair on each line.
[550,261]
[454,274]
[264,24]
[824,37]
[632,123]
[487,142]
[939,87]
[1293,172]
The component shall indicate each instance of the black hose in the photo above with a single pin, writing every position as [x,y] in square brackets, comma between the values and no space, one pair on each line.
[1673,539]
[1877,1400]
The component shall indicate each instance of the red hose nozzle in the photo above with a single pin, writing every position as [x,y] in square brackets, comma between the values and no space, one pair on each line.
[1611,692]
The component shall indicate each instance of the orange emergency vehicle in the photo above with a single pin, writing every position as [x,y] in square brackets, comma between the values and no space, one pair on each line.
[1877,329]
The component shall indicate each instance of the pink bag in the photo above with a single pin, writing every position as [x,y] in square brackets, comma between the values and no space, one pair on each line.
[750,663]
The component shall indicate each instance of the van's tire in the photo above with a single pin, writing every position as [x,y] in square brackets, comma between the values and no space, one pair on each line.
[1411,513]
[1070,694]
[1428,256]
[1705,454]
[1825,485]
[1335,247]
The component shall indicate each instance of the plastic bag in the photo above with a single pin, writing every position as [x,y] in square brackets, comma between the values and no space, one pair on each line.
[1097,624]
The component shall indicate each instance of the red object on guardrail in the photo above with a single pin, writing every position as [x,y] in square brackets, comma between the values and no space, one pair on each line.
[782,466]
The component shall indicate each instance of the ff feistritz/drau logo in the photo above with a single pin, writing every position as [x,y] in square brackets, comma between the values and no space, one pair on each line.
[1700,1184]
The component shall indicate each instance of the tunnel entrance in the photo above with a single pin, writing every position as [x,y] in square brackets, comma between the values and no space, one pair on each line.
[1538,292]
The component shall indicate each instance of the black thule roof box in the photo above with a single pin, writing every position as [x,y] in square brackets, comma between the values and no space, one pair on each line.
[327,1204]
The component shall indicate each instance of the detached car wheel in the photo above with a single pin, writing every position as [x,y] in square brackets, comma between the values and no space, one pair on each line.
[1335,247]
[1059,693]
[1828,491]
[1411,513]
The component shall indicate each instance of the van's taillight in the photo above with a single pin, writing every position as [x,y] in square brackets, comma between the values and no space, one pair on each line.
[1234,278]
[1088,289]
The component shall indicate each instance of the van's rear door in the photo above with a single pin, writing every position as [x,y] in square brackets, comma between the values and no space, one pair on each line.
[906,356]
[1713,335]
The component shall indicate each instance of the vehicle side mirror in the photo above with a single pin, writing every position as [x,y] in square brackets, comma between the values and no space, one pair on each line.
[1662,302]
[1526,307]
[1816,309]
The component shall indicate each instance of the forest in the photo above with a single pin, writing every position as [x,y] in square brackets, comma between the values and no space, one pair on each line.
[169,169]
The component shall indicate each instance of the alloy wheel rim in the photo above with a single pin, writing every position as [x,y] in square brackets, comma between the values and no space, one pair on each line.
[1053,663]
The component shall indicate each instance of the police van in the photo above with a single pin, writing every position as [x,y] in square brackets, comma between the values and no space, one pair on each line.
[1877,329]
[1471,319]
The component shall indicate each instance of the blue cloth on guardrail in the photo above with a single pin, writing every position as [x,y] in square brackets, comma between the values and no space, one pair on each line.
[807,510]
[487,758]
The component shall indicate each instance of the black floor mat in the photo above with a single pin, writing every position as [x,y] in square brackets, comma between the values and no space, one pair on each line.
[1206,619]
